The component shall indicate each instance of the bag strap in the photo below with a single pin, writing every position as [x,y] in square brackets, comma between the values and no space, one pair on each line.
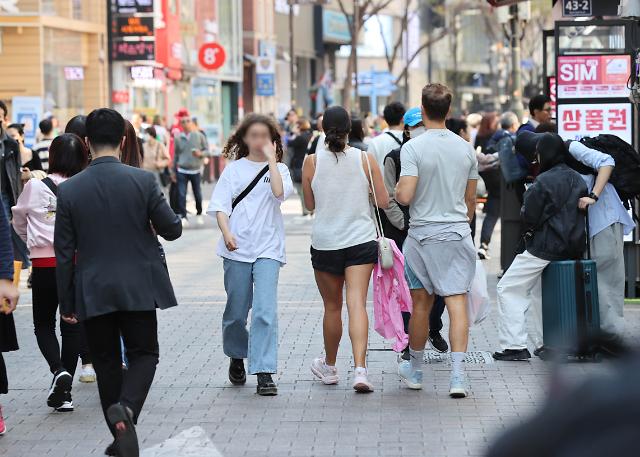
[378,220]
[249,188]
[394,138]
[51,185]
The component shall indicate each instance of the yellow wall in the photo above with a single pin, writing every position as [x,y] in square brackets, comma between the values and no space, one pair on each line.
[20,62]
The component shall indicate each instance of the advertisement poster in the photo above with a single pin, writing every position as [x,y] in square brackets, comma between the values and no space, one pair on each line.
[580,120]
[593,76]
[27,111]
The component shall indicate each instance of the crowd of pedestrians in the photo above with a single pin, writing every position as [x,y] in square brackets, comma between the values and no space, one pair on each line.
[84,209]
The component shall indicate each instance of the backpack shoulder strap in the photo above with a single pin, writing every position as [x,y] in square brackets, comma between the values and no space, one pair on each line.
[51,185]
[249,188]
[394,138]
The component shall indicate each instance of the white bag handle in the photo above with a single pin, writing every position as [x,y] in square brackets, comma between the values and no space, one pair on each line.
[378,221]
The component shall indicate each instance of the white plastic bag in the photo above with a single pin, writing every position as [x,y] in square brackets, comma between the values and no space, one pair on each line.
[478,302]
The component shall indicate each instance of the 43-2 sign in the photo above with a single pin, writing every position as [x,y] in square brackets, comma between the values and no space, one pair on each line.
[576,8]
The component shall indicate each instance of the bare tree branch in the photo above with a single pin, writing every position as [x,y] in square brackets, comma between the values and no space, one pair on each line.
[443,33]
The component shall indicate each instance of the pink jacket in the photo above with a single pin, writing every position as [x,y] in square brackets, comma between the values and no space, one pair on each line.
[391,297]
[34,217]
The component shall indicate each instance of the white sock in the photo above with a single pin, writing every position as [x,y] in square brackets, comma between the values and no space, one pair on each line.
[417,359]
[457,361]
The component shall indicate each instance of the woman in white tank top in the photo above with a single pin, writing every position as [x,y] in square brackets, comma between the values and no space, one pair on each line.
[336,185]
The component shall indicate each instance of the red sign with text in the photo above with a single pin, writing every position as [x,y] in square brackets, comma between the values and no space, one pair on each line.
[212,56]
[593,76]
[578,121]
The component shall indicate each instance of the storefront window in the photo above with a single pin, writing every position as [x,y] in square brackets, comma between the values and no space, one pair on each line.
[229,36]
[205,105]
[582,38]
[64,72]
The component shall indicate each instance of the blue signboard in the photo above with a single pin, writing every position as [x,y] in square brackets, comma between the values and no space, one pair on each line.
[335,27]
[266,84]
[27,111]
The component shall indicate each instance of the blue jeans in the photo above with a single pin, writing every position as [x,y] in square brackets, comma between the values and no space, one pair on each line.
[20,250]
[183,180]
[252,286]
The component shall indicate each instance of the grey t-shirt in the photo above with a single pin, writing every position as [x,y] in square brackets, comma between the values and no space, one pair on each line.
[443,163]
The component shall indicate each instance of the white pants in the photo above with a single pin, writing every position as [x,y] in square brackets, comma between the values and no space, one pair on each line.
[607,249]
[520,296]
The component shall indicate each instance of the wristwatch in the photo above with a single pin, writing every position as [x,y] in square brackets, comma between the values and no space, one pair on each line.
[593,196]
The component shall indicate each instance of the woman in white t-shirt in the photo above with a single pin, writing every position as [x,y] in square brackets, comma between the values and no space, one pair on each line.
[246,203]
[336,182]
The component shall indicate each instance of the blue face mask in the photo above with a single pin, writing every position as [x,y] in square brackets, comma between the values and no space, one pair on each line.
[417,132]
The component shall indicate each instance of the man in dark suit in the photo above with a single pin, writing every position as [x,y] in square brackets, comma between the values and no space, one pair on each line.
[110,273]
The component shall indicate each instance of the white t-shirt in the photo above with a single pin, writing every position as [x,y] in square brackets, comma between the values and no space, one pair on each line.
[443,163]
[383,144]
[256,222]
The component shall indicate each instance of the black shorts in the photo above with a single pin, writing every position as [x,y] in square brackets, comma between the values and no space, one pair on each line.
[335,262]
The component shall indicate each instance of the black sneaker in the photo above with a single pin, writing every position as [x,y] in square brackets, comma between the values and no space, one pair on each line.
[111,449]
[512,355]
[60,387]
[405,355]
[121,421]
[266,386]
[67,405]
[438,343]
[237,374]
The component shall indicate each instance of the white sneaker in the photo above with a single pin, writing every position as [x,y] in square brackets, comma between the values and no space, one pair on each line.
[87,373]
[199,219]
[185,222]
[361,383]
[328,375]
[458,385]
[413,379]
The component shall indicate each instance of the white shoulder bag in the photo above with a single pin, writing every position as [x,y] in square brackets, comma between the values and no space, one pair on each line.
[385,253]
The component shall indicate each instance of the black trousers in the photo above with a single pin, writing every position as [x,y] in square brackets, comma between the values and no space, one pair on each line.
[45,311]
[4,381]
[139,330]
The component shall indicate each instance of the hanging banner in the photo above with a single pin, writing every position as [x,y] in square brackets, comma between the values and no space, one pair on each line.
[579,120]
[593,76]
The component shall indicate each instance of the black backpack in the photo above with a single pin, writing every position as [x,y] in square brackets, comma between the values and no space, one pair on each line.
[626,174]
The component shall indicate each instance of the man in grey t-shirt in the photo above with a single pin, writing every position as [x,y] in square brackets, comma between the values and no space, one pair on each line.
[190,150]
[438,180]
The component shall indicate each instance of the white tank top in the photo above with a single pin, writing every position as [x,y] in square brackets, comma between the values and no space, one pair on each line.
[341,191]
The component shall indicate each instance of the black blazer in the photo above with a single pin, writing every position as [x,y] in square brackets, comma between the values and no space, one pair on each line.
[104,221]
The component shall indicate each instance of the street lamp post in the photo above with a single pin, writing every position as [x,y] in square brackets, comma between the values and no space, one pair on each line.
[354,51]
[292,63]
[516,71]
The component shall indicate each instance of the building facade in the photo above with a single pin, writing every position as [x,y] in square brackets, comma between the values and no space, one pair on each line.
[55,51]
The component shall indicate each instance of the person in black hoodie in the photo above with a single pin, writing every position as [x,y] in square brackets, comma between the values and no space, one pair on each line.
[555,230]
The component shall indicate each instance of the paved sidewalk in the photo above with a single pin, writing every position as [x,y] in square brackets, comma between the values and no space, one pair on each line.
[193,410]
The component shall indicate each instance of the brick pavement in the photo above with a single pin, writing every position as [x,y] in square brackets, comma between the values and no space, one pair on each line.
[193,410]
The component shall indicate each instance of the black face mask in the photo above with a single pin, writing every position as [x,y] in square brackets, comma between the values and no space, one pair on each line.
[551,151]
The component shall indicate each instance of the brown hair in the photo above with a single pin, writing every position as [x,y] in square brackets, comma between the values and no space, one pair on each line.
[236,148]
[488,125]
[436,101]
[304,124]
[131,154]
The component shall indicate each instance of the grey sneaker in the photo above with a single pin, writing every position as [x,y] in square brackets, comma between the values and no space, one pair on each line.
[458,386]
